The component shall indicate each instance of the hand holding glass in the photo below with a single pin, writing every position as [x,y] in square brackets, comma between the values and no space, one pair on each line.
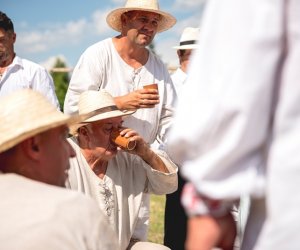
[122,141]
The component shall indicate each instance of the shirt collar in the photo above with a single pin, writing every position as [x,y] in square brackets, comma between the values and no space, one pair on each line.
[17,62]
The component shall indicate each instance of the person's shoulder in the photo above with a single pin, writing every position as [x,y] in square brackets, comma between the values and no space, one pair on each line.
[157,62]
[39,190]
[155,58]
[30,65]
[99,46]
[54,212]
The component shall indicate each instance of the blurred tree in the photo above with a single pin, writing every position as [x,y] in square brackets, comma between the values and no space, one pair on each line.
[61,81]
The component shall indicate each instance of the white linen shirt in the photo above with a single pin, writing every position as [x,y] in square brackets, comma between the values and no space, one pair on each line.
[178,78]
[38,216]
[24,74]
[119,194]
[101,67]
[237,123]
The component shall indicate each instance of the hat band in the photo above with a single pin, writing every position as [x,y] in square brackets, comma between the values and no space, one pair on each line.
[187,42]
[103,110]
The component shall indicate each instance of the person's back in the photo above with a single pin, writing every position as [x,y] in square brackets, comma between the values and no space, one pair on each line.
[246,138]
[35,215]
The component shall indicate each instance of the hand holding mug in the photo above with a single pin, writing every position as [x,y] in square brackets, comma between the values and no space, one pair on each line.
[121,140]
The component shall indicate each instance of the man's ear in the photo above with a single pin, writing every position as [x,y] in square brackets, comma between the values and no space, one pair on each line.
[32,147]
[83,136]
[83,131]
[14,37]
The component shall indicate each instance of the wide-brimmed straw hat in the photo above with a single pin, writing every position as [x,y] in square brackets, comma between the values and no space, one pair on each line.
[99,105]
[114,17]
[188,39]
[26,113]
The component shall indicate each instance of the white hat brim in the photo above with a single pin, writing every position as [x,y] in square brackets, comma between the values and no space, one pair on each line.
[187,46]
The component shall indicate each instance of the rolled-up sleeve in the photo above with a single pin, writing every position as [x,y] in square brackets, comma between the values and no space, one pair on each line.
[162,183]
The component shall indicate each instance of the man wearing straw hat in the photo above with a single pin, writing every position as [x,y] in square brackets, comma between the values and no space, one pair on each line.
[175,217]
[36,212]
[116,177]
[123,65]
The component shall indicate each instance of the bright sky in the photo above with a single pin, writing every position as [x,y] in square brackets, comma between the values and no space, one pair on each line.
[65,28]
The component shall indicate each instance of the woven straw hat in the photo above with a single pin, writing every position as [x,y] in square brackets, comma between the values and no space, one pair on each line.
[114,17]
[189,38]
[26,113]
[99,105]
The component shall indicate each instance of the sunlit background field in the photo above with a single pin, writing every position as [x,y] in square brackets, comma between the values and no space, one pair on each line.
[156,228]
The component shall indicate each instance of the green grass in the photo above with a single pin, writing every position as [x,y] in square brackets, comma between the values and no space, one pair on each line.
[157,213]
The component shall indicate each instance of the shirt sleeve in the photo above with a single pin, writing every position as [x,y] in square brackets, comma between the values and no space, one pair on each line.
[221,126]
[158,182]
[87,75]
[43,83]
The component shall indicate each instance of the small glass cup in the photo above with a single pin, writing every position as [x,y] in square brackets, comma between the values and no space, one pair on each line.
[122,141]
